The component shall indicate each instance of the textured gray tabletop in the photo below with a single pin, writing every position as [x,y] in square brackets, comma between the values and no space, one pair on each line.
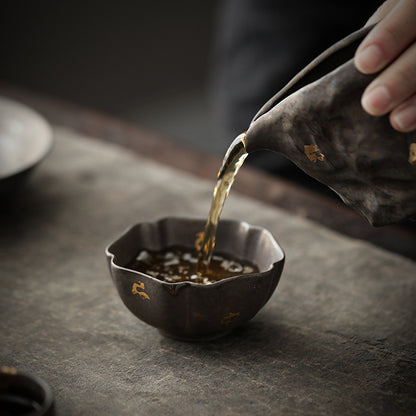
[337,337]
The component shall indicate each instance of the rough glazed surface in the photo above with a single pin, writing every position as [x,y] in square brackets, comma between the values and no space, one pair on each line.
[337,336]
[322,128]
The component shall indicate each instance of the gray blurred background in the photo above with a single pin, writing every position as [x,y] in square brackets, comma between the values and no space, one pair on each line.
[156,63]
[147,62]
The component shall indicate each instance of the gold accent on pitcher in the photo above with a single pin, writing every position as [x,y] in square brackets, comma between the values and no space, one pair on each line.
[412,154]
[135,290]
[313,153]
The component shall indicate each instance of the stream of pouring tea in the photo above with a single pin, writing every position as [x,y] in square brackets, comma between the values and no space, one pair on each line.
[232,162]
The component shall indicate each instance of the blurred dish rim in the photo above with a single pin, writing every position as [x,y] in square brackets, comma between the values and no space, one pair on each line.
[26,138]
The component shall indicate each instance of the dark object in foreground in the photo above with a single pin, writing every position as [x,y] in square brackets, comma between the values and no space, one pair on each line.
[187,310]
[23,394]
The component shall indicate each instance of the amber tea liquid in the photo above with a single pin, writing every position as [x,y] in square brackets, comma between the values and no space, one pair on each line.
[179,264]
[232,162]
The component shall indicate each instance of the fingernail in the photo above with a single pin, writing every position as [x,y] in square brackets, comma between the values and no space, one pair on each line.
[369,59]
[405,119]
[377,100]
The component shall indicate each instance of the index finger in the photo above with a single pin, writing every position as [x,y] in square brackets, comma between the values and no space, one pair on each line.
[392,35]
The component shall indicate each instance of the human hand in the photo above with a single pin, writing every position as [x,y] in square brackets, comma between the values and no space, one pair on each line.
[390,47]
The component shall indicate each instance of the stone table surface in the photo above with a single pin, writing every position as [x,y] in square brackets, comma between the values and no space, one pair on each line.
[337,337]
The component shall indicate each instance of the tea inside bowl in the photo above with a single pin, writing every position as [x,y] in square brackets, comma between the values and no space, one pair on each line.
[179,264]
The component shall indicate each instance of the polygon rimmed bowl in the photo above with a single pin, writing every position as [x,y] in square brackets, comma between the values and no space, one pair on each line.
[192,311]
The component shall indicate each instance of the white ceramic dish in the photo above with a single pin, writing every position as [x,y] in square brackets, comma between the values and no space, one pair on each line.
[25,140]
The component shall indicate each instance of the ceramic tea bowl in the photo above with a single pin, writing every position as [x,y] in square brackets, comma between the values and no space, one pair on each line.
[191,311]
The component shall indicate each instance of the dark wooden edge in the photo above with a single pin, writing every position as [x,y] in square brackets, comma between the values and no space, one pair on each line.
[329,212]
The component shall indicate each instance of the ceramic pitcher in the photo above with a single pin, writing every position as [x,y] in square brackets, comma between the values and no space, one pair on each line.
[317,122]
